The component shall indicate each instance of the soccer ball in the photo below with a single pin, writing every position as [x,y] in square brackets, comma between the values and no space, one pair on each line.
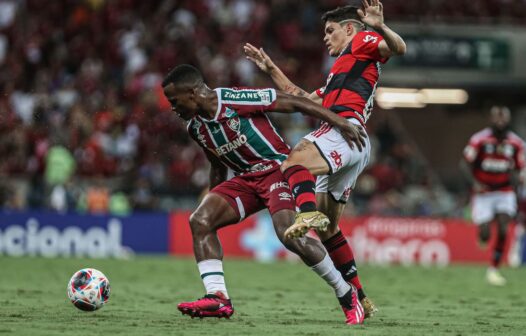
[89,289]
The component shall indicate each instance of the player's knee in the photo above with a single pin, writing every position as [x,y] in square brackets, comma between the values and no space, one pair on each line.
[199,224]
[503,219]
[286,165]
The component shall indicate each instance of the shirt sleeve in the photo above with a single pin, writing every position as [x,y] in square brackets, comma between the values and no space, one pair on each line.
[520,158]
[321,92]
[365,46]
[247,102]
[471,151]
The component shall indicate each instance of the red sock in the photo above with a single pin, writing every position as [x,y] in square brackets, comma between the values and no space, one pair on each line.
[341,254]
[302,185]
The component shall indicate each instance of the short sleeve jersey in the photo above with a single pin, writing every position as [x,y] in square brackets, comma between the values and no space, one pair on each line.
[493,161]
[353,78]
[241,135]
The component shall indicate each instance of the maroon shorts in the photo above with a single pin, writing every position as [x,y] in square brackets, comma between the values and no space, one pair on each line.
[249,193]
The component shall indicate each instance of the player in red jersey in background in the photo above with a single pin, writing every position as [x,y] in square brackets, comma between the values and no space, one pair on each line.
[492,156]
[233,129]
[349,92]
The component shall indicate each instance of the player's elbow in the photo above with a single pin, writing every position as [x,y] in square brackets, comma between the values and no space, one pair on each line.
[401,49]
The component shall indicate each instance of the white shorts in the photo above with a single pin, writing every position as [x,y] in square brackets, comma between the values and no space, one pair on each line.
[345,164]
[485,206]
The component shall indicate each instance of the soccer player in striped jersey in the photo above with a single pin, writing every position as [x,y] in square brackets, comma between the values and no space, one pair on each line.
[348,92]
[491,158]
[233,129]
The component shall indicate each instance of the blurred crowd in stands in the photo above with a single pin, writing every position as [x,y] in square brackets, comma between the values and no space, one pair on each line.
[84,124]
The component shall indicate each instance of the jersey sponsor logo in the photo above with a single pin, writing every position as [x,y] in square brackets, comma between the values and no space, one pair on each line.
[230,146]
[260,167]
[265,96]
[506,150]
[277,185]
[495,165]
[489,148]
[229,113]
[246,95]
[329,78]
[285,196]
[201,139]
[370,38]
[197,124]
[336,158]
[233,124]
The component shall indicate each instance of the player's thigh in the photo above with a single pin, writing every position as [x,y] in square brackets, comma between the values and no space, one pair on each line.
[333,210]
[506,205]
[274,192]
[482,208]
[213,212]
[306,154]
[228,203]
[336,152]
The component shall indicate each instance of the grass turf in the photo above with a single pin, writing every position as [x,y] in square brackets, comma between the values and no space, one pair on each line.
[270,299]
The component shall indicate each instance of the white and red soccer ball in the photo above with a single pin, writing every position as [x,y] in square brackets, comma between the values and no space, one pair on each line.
[89,289]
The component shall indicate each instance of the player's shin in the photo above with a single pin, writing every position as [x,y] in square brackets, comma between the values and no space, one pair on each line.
[343,258]
[326,270]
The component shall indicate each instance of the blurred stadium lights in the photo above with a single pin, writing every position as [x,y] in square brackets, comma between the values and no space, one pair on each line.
[388,98]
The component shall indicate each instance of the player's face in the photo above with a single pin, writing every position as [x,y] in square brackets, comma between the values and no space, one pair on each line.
[500,117]
[336,37]
[182,100]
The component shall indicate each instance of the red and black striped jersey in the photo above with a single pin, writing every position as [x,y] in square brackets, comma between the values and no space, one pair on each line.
[492,161]
[353,78]
[241,135]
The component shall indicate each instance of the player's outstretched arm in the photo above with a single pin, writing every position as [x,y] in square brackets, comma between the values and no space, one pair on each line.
[373,16]
[265,63]
[353,134]
[218,171]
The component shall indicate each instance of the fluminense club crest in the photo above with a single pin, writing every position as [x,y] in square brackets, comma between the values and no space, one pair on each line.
[233,124]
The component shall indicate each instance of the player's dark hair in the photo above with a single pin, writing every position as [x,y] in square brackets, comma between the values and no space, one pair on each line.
[339,14]
[183,74]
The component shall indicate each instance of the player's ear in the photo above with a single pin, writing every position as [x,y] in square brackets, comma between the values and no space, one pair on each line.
[349,28]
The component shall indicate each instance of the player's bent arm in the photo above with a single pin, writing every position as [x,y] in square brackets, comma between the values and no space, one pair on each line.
[289,104]
[218,171]
[392,44]
[265,63]
[284,84]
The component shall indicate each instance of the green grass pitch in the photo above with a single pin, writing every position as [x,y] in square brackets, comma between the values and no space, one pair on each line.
[270,299]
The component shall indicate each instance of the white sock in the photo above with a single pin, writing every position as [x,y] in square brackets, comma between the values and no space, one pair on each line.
[211,271]
[326,270]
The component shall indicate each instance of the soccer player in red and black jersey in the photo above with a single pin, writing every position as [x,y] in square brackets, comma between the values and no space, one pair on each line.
[349,92]
[492,156]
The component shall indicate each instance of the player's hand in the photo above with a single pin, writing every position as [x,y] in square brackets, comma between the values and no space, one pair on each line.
[372,13]
[260,57]
[354,135]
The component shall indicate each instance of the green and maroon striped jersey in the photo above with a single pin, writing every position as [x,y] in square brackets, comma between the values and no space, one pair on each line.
[240,134]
